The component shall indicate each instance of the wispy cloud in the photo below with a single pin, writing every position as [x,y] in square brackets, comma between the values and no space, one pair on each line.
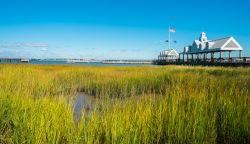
[32,44]
[23,45]
[44,49]
[23,49]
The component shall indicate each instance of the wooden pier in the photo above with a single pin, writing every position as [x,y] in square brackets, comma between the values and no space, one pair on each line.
[207,53]
[13,60]
[234,62]
[127,62]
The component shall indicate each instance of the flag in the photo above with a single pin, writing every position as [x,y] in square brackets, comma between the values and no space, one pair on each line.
[172,30]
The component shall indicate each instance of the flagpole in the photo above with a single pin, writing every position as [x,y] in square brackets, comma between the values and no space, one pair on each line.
[169,37]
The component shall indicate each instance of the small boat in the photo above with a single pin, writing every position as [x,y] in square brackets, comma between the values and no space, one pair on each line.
[24,60]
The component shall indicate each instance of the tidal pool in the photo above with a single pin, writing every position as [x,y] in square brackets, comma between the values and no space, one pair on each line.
[83,102]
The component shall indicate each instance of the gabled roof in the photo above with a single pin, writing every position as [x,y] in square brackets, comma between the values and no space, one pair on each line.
[231,44]
[170,52]
[218,43]
[228,43]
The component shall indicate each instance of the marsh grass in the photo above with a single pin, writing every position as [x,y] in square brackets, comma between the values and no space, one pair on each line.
[173,104]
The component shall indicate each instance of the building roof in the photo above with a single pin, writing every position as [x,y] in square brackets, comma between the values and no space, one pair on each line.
[197,42]
[170,52]
[223,44]
[218,43]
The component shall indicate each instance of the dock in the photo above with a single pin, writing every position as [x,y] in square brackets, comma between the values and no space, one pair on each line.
[206,52]
[127,62]
[13,60]
[232,62]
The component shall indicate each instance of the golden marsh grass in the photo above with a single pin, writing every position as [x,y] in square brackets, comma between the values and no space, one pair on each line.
[144,104]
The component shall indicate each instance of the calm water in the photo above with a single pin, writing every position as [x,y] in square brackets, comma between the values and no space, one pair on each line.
[47,62]
[83,102]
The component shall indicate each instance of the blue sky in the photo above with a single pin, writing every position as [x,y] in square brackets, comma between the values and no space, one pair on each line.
[113,29]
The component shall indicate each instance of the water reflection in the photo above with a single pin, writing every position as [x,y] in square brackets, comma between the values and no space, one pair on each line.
[83,102]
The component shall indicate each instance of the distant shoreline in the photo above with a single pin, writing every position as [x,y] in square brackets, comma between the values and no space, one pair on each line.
[83,63]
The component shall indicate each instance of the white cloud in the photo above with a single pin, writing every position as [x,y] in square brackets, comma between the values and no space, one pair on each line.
[32,44]
[44,49]
[15,45]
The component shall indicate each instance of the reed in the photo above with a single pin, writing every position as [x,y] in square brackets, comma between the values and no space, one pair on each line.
[144,104]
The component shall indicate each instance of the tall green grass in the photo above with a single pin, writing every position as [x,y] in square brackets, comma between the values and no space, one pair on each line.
[173,104]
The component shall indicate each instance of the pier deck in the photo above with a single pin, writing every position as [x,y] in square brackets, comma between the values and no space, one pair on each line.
[13,60]
[127,62]
[234,62]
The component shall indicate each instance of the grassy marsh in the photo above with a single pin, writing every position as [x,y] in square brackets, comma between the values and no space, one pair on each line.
[147,104]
